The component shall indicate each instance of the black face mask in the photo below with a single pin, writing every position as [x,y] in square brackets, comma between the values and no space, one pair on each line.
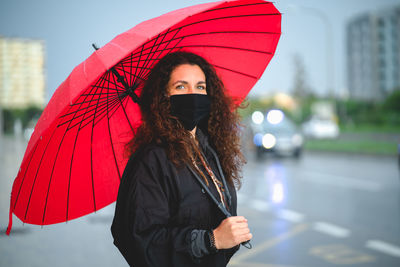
[190,109]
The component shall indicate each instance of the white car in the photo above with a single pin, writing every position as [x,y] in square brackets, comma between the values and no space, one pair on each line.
[319,128]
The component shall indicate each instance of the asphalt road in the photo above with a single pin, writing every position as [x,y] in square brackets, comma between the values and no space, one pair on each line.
[320,210]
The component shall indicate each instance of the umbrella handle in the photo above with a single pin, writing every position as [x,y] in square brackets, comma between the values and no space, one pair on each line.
[221,207]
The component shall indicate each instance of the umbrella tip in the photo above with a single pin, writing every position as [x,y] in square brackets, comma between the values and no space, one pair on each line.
[95,47]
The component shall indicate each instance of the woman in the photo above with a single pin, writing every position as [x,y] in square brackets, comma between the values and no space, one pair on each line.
[185,158]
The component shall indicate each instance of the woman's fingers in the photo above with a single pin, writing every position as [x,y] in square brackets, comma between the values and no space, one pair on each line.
[231,232]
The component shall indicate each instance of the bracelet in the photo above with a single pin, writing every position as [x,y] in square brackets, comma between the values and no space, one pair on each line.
[212,248]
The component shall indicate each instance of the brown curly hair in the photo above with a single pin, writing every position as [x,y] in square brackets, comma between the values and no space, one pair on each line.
[159,126]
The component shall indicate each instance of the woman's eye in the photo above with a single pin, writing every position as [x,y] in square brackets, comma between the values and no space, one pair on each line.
[180,87]
[201,87]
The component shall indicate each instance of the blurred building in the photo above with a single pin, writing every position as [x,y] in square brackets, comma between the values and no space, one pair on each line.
[22,74]
[373,58]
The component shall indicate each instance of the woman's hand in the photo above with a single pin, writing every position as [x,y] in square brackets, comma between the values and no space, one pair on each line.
[231,232]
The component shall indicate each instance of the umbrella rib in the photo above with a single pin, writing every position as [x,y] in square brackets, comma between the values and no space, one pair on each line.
[130,71]
[238,72]
[103,105]
[101,113]
[84,102]
[75,111]
[125,72]
[146,61]
[120,98]
[103,102]
[230,47]
[134,76]
[23,179]
[91,151]
[78,103]
[169,42]
[201,21]
[121,66]
[153,53]
[114,103]
[99,98]
[207,33]
[230,17]
[111,143]
[133,55]
[100,87]
[115,109]
[156,46]
[72,157]
[227,7]
[37,171]
[151,48]
[226,47]
[52,171]
[216,46]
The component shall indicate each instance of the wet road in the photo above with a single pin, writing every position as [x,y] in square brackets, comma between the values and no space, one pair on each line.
[321,210]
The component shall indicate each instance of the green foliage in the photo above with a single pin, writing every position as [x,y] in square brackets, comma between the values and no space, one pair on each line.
[354,146]
[365,112]
[26,115]
[392,102]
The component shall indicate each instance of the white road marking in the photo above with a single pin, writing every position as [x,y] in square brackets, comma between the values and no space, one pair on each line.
[384,247]
[331,229]
[260,205]
[291,215]
[340,181]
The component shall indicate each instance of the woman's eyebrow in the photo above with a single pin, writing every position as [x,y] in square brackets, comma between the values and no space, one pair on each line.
[185,82]
[180,81]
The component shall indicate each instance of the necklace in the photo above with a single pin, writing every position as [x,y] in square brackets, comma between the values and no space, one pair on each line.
[219,186]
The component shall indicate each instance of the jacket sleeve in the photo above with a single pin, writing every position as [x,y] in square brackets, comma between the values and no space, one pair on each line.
[157,240]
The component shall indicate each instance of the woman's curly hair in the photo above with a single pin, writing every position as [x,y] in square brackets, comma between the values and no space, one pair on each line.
[159,126]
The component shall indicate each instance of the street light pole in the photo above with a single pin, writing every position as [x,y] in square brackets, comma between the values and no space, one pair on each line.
[330,77]
[1,127]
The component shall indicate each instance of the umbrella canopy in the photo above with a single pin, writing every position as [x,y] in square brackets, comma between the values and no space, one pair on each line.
[74,159]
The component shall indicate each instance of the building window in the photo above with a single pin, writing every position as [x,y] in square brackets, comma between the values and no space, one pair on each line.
[381,23]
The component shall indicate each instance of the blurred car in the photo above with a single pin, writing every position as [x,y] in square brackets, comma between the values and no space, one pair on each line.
[320,128]
[275,133]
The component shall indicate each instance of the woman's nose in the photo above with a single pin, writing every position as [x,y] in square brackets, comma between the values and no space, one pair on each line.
[190,90]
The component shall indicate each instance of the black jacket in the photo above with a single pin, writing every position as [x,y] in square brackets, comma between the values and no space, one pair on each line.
[159,207]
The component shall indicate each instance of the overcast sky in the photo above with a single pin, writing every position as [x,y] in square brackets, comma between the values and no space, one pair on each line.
[70,27]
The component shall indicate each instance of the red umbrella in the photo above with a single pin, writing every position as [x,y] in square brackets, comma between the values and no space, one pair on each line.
[74,159]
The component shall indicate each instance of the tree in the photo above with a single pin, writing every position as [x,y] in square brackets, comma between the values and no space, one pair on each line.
[301,90]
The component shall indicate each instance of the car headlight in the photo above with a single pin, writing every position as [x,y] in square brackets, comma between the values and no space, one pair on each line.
[275,116]
[268,141]
[257,139]
[257,117]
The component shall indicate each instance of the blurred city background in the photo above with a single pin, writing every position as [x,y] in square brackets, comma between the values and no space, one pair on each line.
[321,131]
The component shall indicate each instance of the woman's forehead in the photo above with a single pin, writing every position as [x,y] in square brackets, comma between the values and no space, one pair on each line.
[187,71]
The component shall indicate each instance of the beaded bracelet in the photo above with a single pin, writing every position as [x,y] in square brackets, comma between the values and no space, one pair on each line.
[212,247]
